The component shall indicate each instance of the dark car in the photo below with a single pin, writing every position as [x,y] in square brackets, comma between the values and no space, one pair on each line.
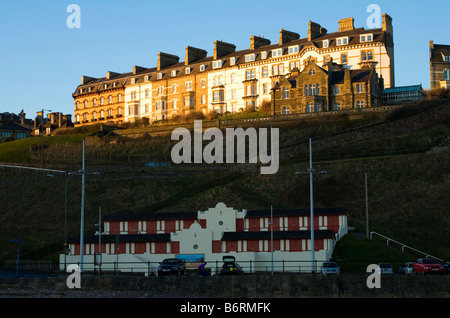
[172,266]
[330,268]
[230,267]
[386,268]
[446,266]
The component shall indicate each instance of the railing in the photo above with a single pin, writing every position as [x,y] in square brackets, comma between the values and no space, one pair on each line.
[403,246]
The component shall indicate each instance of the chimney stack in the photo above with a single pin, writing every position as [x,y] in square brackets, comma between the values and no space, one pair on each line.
[315,30]
[166,60]
[257,41]
[288,36]
[222,49]
[86,79]
[137,69]
[194,54]
[110,75]
[346,24]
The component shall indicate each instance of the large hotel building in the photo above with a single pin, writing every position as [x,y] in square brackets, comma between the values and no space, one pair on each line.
[235,81]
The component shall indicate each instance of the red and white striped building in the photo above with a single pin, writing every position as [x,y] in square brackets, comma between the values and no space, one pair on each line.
[149,238]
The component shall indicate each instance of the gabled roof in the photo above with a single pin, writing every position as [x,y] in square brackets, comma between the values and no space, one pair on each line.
[14,127]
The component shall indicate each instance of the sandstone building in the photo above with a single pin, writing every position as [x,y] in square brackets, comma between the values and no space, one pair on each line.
[231,80]
[439,66]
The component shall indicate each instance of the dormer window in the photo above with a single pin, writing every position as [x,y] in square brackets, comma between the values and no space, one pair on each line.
[133,81]
[342,41]
[326,43]
[366,38]
[159,76]
[105,86]
[249,58]
[447,58]
[293,49]
[173,73]
[217,64]
[276,53]
[263,55]
[202,68]
[146,78]
[188,70]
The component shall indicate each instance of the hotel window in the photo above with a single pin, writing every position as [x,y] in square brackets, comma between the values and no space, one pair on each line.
[250,74]
[366,56]
[344,58]
[366,38]
[217,64]
[217,80]
[360,104]
[147,93]
[293,49]
[265,71]
[263,55]
[146,108]
[110,112]
[189,101]
[203,99]
[102,114]
[218,96]
[233,78]
[447,75]
[277,69]
[293,65]
[102,101]
[174,104]
[109,99]
[285,93]
[265,88]
[326,59]
[21,135]
[318,107]
[203,82]
[77,105]
[188,70]
[78,118]
[160,91]
[342,41]
[94,102]
[146,78]
[202,68]
[310,107]
[233,94]
[337,106]
[119,111]
[119,97]
[286,111]
[173,73]
[276,53]
[159,76]
[326,43]
[336,90]
[311,72]
[359,88]
[447,58]
[85,103]
[250,58]
[174,88]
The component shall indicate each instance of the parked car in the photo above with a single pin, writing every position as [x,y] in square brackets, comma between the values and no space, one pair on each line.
[172,266]
[406,269]
[230,267]
[385,268]
[428,266]
[330,268]
[446,267]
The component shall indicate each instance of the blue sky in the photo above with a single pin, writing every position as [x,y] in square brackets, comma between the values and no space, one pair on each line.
[42,60]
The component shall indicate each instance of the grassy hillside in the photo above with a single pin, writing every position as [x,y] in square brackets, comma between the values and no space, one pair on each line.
[408,188]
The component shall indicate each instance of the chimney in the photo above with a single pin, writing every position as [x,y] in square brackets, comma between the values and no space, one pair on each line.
[257,41]
[346,24]
[137,69]
[60,119]
[86,79]
[193,54]
[387,24]
[315,30]
[222,49]
[110,75]
[431,45]
[288,36]
[166,60]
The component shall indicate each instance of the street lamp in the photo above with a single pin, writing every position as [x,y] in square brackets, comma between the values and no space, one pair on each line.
[311,172]
[18,241]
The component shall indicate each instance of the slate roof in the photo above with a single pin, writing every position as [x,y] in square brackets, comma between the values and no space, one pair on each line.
[438,53]
[14,127]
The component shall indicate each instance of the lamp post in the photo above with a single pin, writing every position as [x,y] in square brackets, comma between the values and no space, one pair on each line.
[18,241]
[311,172]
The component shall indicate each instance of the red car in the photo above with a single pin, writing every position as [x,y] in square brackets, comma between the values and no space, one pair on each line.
[428,266]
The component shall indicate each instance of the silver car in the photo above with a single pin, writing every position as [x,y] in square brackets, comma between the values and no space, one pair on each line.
[406,269]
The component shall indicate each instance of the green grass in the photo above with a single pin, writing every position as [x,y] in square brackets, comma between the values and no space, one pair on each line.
[354,255]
